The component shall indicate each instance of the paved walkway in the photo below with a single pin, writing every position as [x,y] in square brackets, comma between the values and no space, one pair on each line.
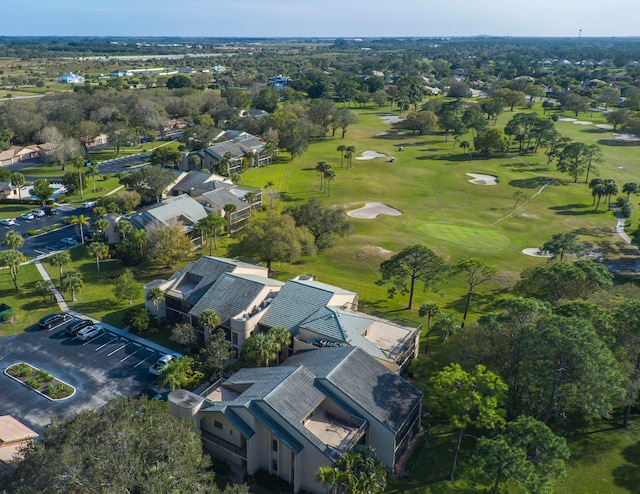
[122,332]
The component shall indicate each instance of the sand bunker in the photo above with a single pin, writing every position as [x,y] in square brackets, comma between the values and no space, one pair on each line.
[626,138]
[391,119]
[482,179]
[371,210]
[369,155]
[535,252]
[582,122]
[604,126]
[567,119]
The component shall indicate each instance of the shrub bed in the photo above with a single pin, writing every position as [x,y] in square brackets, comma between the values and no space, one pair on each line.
[40,381]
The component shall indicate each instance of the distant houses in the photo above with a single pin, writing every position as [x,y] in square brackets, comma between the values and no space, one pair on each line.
[228,156]
[71,78]
[279,81]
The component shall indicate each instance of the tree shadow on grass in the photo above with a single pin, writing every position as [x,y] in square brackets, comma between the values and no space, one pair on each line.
[517,166]
[628,475]
[480,302]
[455,157]
[613,142]
[589,448]
[533,182]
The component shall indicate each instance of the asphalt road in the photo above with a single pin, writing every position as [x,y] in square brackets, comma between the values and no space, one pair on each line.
[106,367]
[120,165]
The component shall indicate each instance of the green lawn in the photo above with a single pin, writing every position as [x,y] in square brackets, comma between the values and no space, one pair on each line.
[110,153]
[28,307]
[603,460]
[441,208]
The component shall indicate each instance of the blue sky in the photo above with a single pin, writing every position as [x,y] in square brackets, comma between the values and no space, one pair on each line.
[345,18]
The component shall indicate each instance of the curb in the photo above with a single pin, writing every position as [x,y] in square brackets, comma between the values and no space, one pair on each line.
[33,389]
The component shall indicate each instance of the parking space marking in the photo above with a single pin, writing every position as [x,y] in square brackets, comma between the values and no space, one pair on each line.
[94,338]
[131,354]
[143,361]
[105,344]
[118,349]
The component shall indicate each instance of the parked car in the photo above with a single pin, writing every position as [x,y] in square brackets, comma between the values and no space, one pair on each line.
[49,211]
[161,365]
[72,329]
[27,216]
[88,236]
[38,213]
[8,222]
[89,205]
[89,332]
[69,242]
[53,320]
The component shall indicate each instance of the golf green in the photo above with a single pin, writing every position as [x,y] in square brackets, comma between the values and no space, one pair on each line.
[467,238]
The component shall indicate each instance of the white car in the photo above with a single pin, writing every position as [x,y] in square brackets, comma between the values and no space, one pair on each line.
[39,213]
[8,222]
[89,332]
[27,216]
[161,365]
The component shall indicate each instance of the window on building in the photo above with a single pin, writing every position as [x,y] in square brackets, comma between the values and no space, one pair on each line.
[217,425]
[274,445]
[234,338]
[274,465]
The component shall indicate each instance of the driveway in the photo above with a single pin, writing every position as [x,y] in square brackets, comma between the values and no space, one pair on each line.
[108,366]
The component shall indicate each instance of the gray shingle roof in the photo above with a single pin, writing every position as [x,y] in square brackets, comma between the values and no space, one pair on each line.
[209,269]
[231,293]
[365,381]
[222,197]
[298,300]
[182,208]
[343,326]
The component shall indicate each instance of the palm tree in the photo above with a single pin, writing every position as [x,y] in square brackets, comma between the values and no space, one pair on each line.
[341,149]
[281,338]
[466,147]
[43,288]
[178,374]
[98,250]
[18,180]
[599,191]
[322,166]
[13,240]
[630,188]
[72,283]
[610,188]
[329,176]
[78,164]
[155,296]
[351,150]
[447,326]
[94,171]
[428,310]
[229,209]
[356,472]
[327,476]
[251,198]
[80,222]
[60,259]
[12,259]
[210,320]
[124,228]
[101,225]
[140,237]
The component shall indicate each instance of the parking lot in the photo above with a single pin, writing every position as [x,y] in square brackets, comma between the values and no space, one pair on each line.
[104,367]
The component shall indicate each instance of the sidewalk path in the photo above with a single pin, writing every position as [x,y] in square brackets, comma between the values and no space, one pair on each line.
[121,332]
